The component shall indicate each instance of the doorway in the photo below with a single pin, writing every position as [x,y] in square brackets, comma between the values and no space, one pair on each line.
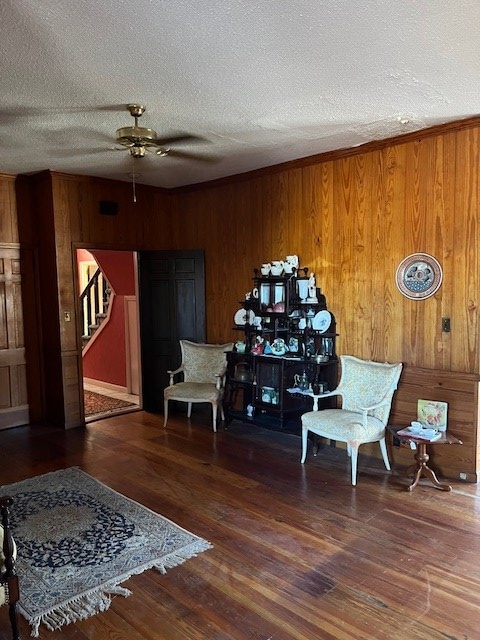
[110,332]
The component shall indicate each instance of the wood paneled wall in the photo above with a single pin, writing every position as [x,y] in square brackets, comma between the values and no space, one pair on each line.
[352,221]
[350,218]
[460,391]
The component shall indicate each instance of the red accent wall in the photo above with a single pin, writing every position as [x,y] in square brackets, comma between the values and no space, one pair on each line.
[105,359]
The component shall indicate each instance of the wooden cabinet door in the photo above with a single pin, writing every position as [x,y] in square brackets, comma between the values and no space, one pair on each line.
[13,384]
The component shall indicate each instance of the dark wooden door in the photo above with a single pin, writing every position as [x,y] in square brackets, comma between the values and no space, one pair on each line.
[172,307]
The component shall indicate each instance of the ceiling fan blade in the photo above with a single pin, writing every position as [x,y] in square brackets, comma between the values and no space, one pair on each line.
[12,114]
[181,137]
[184,155]
[111,107]
[72,153]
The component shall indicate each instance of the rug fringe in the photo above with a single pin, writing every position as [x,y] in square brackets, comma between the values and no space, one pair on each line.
[77,609]
[178,557]
[99,600]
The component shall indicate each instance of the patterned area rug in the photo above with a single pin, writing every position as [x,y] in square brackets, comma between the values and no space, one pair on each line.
[78,540]
[98,403]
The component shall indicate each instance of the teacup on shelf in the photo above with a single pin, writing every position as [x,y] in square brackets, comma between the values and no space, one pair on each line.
[277,268]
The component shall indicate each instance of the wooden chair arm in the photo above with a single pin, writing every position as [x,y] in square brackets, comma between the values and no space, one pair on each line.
[382,403]
[172,374]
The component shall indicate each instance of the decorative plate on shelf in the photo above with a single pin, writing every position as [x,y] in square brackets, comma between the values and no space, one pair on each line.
[244,317]
[419,276]
[322,321]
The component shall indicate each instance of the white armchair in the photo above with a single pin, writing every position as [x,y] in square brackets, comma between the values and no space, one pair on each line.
[203,367]
[366,389]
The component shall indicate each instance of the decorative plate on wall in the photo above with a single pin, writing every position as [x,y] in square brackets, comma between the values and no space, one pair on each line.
[419,276]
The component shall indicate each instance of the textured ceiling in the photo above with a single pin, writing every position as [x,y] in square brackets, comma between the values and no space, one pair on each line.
[261,81]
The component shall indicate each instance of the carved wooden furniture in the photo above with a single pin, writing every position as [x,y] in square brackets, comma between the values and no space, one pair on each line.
[422,457]
[203,367]
[366,389]
[9,591]
[279,310]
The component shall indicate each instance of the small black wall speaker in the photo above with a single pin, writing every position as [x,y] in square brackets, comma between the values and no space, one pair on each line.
[108,207]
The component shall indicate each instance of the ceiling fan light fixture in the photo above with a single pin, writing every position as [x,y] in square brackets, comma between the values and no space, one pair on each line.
[142,140]
[137,151]
[129,135]
[136,109]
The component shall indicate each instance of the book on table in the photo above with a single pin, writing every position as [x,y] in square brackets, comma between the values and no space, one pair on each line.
[421,432]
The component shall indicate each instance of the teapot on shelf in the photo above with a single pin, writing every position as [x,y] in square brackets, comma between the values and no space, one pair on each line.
[301,381]
[278,347]
[240,346]
[290,264]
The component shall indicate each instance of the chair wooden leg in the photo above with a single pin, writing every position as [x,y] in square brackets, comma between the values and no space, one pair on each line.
[354,458]
[12,614]
[214,416]
[383,449]
[189,410]
[304,444]
[165,413]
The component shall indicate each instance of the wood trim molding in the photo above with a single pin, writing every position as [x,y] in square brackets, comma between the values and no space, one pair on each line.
[337,154]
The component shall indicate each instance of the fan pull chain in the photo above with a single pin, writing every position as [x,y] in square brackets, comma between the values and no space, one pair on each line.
[133,181]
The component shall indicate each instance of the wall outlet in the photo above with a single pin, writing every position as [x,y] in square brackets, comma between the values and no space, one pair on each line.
[463,476]
[446,325]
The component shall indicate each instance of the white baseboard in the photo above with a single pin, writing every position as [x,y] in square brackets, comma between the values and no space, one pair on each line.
[106,385]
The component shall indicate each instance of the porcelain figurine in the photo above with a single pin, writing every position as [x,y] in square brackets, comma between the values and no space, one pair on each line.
[257,348]
[312,289]
[293,344]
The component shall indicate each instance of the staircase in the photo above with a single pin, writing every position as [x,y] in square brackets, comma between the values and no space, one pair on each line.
[94,302]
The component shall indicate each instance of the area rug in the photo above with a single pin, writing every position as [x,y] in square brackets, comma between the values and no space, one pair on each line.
[78,540]
[97,403]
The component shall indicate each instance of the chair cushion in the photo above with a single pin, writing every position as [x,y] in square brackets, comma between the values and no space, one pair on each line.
[345,426]
[202,361]
[193,391]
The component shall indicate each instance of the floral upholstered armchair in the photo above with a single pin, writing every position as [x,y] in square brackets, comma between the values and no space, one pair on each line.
[366,389]
[9,592]
[203,367]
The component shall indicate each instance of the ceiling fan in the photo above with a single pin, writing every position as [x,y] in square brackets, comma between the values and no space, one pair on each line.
[142,140]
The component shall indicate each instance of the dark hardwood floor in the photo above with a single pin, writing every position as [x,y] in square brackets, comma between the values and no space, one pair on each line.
[297,552]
